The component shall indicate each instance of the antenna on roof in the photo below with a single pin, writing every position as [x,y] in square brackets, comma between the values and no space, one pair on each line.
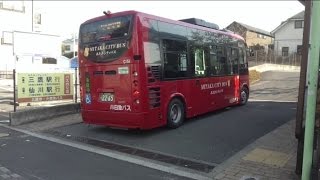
[107,13]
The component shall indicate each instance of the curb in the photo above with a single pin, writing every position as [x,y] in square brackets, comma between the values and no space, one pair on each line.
[42,113]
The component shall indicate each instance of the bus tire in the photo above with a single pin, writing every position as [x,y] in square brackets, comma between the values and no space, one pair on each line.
[244,96]
[175,113]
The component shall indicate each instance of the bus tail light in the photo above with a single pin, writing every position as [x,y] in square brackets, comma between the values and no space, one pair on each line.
[135,73]
[136,93]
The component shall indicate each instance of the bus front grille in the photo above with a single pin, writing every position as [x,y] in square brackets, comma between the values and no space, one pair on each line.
[154,97]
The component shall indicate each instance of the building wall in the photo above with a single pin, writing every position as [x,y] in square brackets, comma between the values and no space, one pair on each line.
[17,16]
[12,20]
[288,36]
[73,46]
[253,39]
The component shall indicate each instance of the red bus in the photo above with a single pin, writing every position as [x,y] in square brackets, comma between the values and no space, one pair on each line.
[142,71]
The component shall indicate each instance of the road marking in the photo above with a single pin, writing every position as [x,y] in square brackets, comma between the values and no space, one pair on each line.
[119,156]
[7,89]
[4,115]
[5,121]
[270,100]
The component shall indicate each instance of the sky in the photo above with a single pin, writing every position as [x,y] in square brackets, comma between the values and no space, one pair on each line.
[64,17]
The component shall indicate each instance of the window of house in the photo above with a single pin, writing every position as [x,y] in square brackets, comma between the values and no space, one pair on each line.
[175,58]
[49,60]
[67,48]
[17,6]
[37,18]
[298,24]
[285,51]
[7,38]
[299,49]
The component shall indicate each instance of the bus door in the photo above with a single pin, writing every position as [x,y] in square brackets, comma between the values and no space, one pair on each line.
[199,85]
[216,71]
[230,82]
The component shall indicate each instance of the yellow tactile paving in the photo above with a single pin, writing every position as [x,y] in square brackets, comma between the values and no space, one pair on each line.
[267,157]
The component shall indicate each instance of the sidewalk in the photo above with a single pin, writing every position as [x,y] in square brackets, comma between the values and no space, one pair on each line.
[272,156]
[6,174]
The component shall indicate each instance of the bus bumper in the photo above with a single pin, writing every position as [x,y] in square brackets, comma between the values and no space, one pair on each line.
[115,119]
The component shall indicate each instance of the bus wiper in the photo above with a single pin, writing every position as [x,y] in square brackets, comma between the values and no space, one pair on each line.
[104,38]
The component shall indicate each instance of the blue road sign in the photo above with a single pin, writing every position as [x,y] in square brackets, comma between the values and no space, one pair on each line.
[74,63]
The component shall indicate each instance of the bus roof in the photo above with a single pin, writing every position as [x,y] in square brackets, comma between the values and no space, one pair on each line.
[232,34]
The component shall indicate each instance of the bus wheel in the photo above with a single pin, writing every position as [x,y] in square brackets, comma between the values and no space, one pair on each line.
[176,113]
[244,95]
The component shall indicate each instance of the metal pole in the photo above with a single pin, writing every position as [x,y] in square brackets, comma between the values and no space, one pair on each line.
[76,85]
[14,91]
[74,44]
[312,82]
[32,15]
[302,61]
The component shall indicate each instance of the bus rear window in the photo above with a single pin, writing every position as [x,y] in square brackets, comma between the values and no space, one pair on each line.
[113,28]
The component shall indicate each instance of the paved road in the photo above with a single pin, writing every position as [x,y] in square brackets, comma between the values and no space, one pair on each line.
[213,137]
[6,96]
[276,86]
[37,159]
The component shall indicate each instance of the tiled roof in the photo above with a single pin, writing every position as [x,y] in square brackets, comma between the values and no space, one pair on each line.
[257,30]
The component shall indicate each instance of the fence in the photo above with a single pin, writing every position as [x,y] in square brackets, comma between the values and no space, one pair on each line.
[6,74]
[259,57]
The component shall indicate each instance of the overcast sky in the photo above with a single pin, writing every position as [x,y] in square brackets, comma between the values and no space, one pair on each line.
[65,17]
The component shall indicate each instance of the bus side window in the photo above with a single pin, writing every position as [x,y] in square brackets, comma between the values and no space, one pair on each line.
[222,60]
[198,55]
[175,58]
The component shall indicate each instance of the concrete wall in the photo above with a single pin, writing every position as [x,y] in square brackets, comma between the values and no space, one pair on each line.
[275,67]
[43,113]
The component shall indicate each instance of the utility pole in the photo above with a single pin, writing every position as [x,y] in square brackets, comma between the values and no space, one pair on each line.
[32,18]
[312,84]
[74,44]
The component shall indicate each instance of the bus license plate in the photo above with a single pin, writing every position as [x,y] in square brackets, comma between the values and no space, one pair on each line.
[106,97]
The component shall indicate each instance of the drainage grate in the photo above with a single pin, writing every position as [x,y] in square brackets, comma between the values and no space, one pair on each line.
[199,166]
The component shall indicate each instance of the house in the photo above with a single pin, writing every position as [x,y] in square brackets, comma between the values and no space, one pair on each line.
[24,45]
[288,36]
[253,36]
[69,46]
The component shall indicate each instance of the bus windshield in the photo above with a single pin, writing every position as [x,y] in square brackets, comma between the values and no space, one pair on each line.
[105,40]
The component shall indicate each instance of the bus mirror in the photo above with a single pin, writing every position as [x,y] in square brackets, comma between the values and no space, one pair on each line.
[137,57]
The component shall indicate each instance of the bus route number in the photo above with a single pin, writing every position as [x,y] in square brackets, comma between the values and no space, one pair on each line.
[126,61]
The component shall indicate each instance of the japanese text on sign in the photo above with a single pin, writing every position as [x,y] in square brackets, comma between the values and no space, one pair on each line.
[34,87]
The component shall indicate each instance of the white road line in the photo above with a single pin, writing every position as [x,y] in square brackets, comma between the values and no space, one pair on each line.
[270,100]
[4,115]
[119,156]
[7,89]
